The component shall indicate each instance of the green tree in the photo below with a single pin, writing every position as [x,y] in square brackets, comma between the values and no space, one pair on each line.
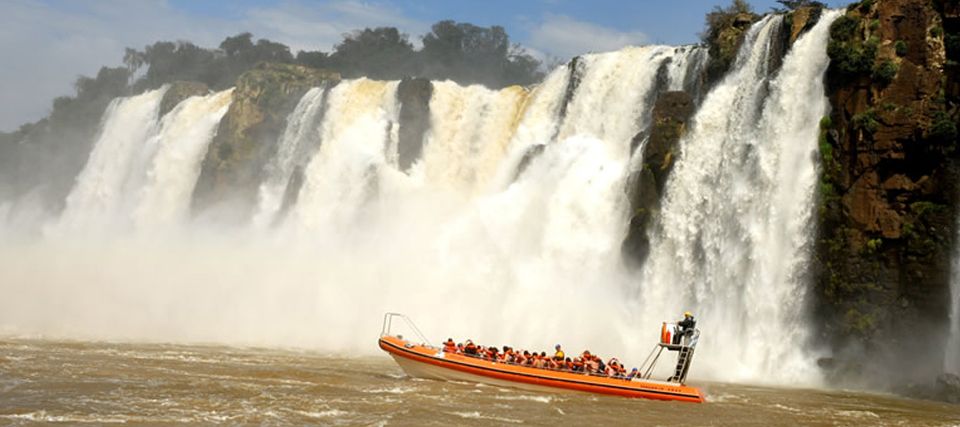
[380,53]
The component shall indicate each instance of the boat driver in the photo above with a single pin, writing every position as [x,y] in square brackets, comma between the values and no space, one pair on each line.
[687,326]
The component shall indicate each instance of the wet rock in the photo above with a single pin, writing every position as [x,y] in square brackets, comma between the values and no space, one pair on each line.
[248,133]
[414,97]
[645,186]
[179,91]
[887,213]
[948,388]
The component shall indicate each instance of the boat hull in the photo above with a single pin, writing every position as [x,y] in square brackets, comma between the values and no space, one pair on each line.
[428,362]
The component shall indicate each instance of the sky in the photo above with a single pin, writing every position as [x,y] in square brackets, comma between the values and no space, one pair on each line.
[47,44]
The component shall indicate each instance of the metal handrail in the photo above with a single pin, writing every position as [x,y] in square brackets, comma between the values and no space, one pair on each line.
[388,324]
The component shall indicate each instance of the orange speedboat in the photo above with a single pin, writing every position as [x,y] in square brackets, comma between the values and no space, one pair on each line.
[426,361]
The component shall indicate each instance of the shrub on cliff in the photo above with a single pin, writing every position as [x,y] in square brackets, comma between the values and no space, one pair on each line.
[884,72]
[723,32]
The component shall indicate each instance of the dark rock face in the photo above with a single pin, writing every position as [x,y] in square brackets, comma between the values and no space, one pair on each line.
[179,91]
[414,97]
[887,214]
[645,187]
[247,136]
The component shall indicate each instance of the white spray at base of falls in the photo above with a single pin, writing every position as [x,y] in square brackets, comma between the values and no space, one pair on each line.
[461,242]
[735,230]
[951,357]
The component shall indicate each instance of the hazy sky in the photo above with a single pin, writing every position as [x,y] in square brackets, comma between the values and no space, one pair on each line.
[46,44]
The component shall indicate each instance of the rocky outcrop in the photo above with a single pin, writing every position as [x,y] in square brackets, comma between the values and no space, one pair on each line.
[645,187]
[178,91]
[947,388]
[723,40]
[801,20]
[887,209]
[413,95]
[248,133]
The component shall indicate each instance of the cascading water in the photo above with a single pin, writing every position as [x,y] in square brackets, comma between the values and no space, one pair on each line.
[461,241]
[299,138]
[472,127]
[733,236]
[139,171]
[102,190]
[611,103]
[357,128]
[184,136]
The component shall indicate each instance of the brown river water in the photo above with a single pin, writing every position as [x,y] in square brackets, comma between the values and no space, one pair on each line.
[104,383]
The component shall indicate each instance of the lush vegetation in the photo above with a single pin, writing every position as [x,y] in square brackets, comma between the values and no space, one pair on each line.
[461,52]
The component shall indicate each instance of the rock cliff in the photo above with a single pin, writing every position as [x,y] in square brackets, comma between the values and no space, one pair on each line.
[645,187]
[414,97]
[887,208]
[247,136]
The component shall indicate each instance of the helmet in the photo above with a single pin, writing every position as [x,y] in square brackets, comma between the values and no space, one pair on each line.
[687,314]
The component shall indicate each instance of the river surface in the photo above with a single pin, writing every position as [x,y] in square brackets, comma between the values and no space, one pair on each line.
[104,383]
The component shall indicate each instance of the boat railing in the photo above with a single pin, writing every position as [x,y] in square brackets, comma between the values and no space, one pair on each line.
[673,338]
[388,325]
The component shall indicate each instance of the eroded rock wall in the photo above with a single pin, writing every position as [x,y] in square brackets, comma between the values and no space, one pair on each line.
[247,136]
[887,214]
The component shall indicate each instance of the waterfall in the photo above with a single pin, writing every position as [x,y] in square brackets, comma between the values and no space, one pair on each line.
[102,190]
[472,127]
[462,241]
[300,136]
[185,133]
[357,129]
[611,103]
[141,172]
[734,234]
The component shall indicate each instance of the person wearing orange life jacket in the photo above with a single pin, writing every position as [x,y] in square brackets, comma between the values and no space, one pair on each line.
[449,346]
[578,364]
[470,348]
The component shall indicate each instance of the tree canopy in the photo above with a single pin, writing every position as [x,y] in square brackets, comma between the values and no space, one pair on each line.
[462,52]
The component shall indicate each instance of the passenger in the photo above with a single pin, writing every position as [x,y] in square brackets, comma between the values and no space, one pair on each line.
[591,365]
[491,354]
[449,346]
[578,365]
[538,361]
[568,364]
[460,348]
[559,354]
[470,349]
[549,362]
[633,374]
